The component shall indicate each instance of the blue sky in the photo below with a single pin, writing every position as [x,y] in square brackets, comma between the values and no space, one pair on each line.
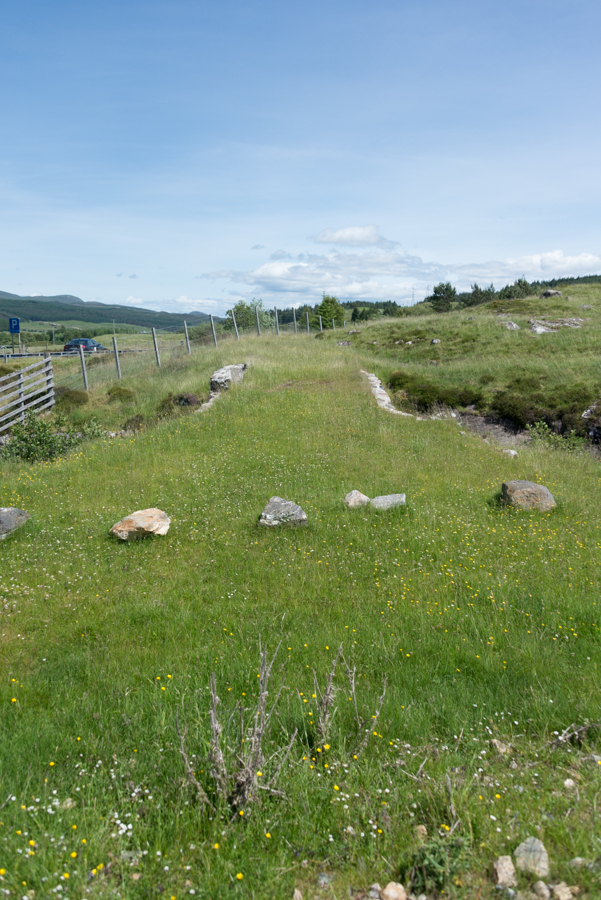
[181,155]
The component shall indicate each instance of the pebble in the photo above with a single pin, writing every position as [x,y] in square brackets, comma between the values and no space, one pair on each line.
[561,891]
[504,872]
[374,891]
[541,890]
[393,891]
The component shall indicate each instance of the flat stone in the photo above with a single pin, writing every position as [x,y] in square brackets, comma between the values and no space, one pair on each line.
[141,524]
[355,498]
[504,872]
[561,891]
[393,891]
[11,518]
[344,343]
[527,495]
[541,890]
[282,512]
[512,326]
[512,454]
[532,857]
[388,501]
[227,375]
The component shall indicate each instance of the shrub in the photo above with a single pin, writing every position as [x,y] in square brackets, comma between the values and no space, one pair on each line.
[119,394]
[34,440]
[542,435]
[438,863]
[425,394]
[70,398]
[172,402]
[442,296]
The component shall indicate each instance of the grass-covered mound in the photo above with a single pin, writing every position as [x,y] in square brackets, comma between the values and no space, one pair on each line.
[483,622]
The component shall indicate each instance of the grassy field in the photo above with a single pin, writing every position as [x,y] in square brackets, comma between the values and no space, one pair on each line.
[483,622]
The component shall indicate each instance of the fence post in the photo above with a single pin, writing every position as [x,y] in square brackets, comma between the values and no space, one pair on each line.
[308,328]
[49,378]
[258,323]
[333,325]
[344,323]
[21,401]
[156,347]
[235,325]
[294,318]
[187,337]
[83,368]
[277,324]
[320,324]
[213,330]
[117,363]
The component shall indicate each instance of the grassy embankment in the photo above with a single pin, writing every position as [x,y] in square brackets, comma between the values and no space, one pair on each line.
[484,622]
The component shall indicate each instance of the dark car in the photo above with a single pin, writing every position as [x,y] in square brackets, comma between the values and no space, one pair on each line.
[87,343]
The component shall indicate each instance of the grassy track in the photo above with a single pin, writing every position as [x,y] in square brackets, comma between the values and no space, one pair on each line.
[484,622]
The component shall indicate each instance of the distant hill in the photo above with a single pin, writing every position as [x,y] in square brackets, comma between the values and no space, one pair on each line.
[60,309]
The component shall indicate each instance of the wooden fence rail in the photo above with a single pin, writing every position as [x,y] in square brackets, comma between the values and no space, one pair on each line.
[28,388]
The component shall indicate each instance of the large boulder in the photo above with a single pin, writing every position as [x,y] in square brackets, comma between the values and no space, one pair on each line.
[11,518]
[282,512]
[227,375]
[141,524]
[388,501]
[355,498]
[527,495]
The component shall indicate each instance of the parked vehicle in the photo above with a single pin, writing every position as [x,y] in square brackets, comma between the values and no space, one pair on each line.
[87,343]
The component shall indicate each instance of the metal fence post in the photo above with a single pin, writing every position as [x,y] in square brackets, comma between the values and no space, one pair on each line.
[156,347]
[294,318]
[117,362]
[258,323]
[308,328]
[187,337]
[235,326]
[83,368]
[213,330]
[277,324]
[320,324]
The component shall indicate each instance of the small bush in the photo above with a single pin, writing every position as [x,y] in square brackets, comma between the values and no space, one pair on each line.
[119,394]
[134,423]
[425,394]
[438,863]
[34,440]
[70,398]
[542,435]
[486,378]
[172,403]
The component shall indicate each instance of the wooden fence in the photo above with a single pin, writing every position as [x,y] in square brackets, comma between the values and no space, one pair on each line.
[29,388]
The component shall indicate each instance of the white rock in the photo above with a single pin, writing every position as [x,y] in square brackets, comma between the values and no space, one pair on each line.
[532,857]
[393,891]
[297,895]
[388,501]
[512,326]
[510,453]
[227,375]
[542,329]
[561,891]
[142,523]
[570,784]
[578,862]
[11,518]
[382,398]
[504,872]
[355,498]
[435,341]
[541,890]
[374,890]
[282,512]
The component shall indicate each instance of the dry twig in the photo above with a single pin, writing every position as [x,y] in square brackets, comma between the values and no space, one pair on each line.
[325,701]
[200,793]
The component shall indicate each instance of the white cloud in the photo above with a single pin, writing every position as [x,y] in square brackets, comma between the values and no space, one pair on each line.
[134,301]
[379,274]
[354,236]
[188,303]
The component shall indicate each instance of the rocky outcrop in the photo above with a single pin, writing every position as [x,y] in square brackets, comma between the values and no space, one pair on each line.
[143,523]
[11,518]
[527,495]
[223,378]
[282,512]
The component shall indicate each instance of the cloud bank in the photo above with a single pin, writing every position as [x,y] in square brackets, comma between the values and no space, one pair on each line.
[354,236]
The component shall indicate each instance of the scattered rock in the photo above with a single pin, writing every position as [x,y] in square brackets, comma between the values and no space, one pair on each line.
[542,329]
[550,294]
[579,862]
[527,495]
[502,749]
[570,784]
[504,872]
[510,453]
[297,895]
[227,375]
[586,306]
[11,518]
[282,512]
[393,891]
[435,341]
[561,891]
[590,411]
[69,803]
[512,326]
[324,879]
[532,857]
[344,343]
[382,398]
[541,890]
[374,890]
[421,832]
[354,331]
[141,524]
[388,501]
[355,498]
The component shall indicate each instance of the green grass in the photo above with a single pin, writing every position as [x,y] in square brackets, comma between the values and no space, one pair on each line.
[484,621]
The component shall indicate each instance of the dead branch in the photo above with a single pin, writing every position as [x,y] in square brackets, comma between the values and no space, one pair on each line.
[200,793]
[572,733]
[450,790]
[283,760]
[350,674]
[219,771]
[326,700]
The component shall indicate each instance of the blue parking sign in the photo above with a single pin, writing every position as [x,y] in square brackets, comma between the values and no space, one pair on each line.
[14,326]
